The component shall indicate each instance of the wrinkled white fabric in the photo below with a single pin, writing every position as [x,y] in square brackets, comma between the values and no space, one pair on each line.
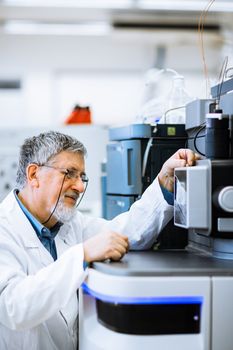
[38,297]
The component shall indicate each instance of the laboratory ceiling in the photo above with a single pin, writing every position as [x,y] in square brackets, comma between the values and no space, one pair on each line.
[117,14]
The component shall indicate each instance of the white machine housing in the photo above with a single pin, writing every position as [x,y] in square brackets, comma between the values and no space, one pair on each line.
[165,278]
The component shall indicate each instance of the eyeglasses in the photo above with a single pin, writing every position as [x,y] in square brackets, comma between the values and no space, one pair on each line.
[71,174]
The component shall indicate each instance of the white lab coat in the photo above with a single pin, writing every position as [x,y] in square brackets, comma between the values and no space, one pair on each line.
[38,297]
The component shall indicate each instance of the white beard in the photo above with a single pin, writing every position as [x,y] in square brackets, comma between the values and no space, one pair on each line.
[63,213]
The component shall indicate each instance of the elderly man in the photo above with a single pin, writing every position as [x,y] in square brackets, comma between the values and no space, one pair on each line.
[46,244]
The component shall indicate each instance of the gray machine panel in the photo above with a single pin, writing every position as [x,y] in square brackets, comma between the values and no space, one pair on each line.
[196,112]
[117,205]
[226,103]
[124,168]
[132,131]
[222,88]
[192,207]
[166,263]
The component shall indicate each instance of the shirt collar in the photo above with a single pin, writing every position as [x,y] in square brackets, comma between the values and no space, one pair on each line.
[39,228]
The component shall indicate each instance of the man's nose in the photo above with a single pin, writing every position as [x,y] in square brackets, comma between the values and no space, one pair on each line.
[78,184]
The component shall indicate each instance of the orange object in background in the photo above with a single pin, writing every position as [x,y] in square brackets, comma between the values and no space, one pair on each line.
[79,115]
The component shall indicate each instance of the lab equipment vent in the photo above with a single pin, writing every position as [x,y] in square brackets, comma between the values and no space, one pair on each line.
[6,84]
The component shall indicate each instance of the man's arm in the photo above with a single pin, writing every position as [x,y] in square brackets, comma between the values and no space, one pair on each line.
[183,157]
[148,215]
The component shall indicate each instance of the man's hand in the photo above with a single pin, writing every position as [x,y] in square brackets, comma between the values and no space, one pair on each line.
[183,157]
[108,245]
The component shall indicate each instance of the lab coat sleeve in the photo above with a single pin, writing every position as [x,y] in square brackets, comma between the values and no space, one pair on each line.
[142,223]
[28,300]
[145,219]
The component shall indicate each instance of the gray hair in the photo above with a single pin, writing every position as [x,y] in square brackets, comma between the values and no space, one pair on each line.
[42,148]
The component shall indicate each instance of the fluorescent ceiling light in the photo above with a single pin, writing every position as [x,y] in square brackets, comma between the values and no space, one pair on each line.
[34,28]
[105,4]
[175,5]
[185,5]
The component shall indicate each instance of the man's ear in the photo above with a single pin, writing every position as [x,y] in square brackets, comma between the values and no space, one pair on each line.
[32,174]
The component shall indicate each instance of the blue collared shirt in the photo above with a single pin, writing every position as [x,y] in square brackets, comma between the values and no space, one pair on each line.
[168,196]
[45,235]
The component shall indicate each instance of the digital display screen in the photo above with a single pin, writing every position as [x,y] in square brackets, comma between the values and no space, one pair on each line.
[180,200]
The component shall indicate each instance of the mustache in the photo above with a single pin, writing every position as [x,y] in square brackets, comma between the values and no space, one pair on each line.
[73,195]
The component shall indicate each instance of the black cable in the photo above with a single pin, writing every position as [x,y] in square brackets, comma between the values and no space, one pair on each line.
[227,75]
[59,195]
[194,141]
[82,195]
[192,138]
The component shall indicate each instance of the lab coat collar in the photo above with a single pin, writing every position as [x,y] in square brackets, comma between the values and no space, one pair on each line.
[21,226]
[22,229]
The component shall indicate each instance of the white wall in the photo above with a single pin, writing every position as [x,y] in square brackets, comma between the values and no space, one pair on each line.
[93,137]
[105,72]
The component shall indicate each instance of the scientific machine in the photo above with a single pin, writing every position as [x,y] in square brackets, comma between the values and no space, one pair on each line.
[176,299]
[135,156]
